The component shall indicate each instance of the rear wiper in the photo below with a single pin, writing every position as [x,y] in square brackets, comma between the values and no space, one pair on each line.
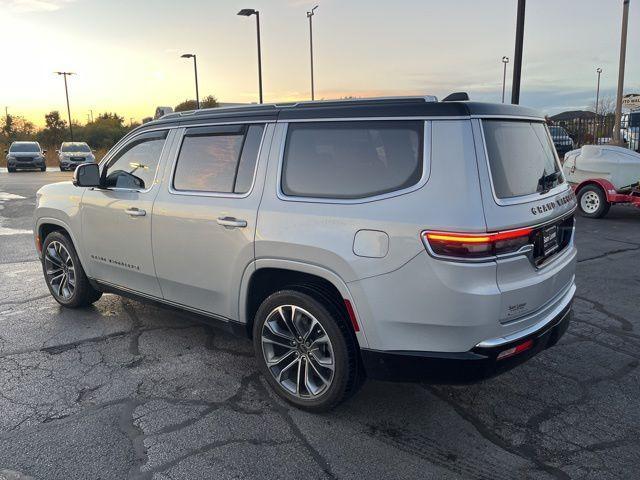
[545,182]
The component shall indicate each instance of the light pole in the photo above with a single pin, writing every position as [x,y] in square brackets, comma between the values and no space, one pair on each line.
[505,60]
[66,91]
[91,112]
[195,70]
[310,17]
[595,120]
[247,12]
[517,58]
[623,52]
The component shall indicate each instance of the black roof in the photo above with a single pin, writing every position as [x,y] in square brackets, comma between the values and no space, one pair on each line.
[357,108]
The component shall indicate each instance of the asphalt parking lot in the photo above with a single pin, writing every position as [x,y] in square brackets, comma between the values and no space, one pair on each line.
[128,390]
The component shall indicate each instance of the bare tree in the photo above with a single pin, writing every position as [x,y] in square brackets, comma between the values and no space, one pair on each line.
[606,106]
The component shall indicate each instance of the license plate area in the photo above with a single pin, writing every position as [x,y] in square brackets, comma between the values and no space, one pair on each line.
[550,239]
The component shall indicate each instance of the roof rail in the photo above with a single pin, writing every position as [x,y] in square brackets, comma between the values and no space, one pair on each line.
[305,103]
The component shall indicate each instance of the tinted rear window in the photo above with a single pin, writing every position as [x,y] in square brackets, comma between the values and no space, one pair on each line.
[350,160]
[521,158]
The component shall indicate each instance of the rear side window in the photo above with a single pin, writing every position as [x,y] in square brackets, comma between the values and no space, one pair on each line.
[218,159]
[521,158]
[351,160]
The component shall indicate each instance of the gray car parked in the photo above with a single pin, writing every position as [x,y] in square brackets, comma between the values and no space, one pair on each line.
[398,239]
[23,155]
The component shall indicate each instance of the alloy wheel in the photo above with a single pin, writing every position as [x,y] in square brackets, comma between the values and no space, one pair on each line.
[298,351]
[60,270]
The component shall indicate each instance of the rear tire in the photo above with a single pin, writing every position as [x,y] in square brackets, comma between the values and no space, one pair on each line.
[63,273]
[305,351]
[592,202]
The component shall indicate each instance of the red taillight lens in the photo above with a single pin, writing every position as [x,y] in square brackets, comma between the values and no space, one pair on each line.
[475,246]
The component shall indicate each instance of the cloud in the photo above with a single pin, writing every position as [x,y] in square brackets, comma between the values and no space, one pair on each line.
[27,6]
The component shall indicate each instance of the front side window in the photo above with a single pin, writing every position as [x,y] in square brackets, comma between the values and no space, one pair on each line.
[135,165]
[352,159]
[218,159]
[521,158]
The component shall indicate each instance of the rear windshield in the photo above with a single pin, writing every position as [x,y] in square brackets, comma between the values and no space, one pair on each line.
[521,158]
[75,147]
[25,147]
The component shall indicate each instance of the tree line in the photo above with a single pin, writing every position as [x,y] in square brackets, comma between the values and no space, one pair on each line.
[101,133]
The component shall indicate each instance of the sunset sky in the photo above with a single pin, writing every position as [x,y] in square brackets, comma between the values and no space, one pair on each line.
[126,53]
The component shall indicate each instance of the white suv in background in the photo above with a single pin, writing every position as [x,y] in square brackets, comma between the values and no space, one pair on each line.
[398,239]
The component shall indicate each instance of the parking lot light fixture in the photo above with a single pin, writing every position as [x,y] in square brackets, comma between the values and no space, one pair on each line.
[310,15]
[66,92]
[595,121]
[247,12]
[505,60]
[195,71]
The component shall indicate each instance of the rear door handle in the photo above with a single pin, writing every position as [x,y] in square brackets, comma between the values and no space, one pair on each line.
[231,222]
[135,212]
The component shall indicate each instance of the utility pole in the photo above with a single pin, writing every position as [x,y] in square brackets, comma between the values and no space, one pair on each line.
[66,91]
[517,58]
[91,112]
[310,17]
[623,51]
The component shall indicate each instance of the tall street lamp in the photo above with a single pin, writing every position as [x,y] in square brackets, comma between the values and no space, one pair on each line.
[247,12]
[195,70]
[505,60]
[66,91]
[310,17]
[595,122]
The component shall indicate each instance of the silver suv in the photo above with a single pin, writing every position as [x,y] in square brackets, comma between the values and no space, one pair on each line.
[72,154]
[397,239]
[25,155]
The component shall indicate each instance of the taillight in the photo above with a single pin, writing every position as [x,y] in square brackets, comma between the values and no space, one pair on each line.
[476,245]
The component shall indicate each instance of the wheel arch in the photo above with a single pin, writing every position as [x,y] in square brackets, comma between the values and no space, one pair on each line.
[46,225]
[266,276]
[607,187]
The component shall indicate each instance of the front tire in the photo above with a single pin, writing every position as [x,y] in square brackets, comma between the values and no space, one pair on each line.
[43,169]
[63,273]
[305,350]
[592,202]
[11,169]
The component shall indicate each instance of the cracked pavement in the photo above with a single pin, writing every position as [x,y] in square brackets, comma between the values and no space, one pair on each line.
[131,390]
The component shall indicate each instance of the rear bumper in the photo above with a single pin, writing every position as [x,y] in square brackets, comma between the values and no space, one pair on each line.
[461,367]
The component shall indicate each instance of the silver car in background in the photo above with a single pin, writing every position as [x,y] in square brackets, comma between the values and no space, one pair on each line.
[398,239]
[72,154]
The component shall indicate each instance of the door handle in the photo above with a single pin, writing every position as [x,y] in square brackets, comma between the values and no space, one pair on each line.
[231,222]
[135,212]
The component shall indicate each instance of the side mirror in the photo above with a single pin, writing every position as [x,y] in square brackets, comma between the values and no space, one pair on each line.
[57,151]
[44,151]
[7,152]
[87,175]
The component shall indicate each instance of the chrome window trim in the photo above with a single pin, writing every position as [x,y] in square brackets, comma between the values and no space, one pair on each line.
[198,193]
[426,171]
[110,155]
[532,197]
